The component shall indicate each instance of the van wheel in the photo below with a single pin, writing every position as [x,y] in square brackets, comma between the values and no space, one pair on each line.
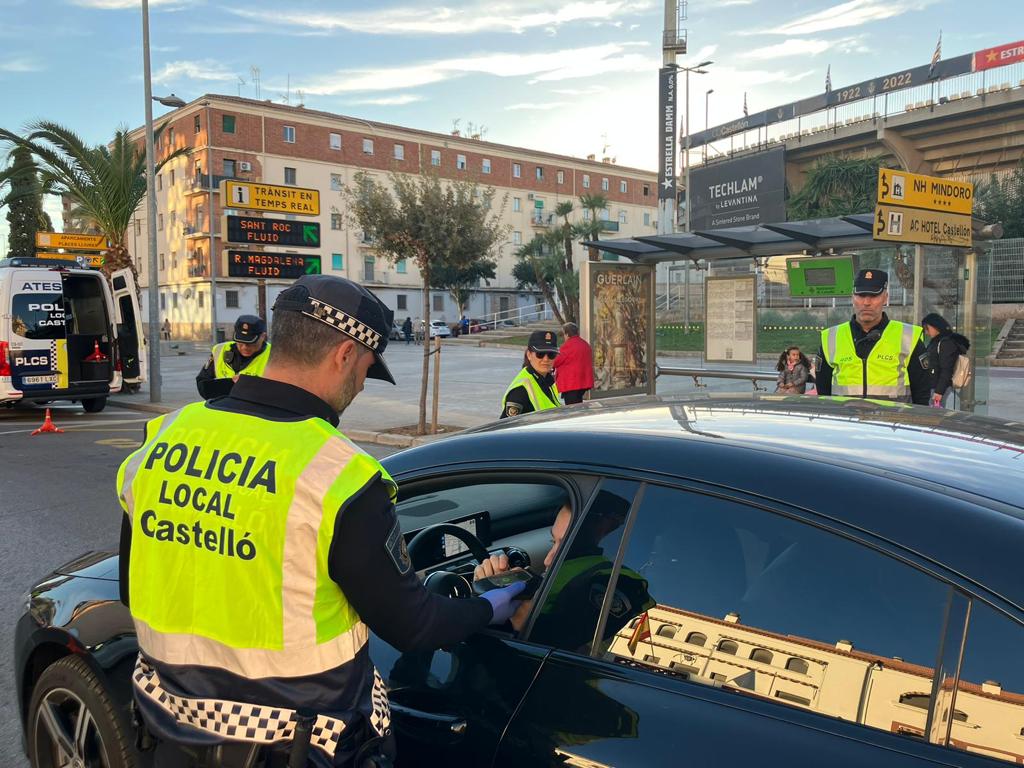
[72,720]
[95,405]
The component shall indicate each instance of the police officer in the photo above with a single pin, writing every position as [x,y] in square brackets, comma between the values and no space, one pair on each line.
[533,388]
[259,547]
[247,353]
[873,356]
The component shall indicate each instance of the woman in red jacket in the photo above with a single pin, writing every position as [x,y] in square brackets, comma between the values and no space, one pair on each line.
[574,366]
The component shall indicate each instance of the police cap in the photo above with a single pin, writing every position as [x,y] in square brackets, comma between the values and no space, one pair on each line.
[347,307]
[248,329]
[543,341]
[870,282]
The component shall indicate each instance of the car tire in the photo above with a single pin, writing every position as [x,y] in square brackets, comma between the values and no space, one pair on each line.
[94,405]
[66,692]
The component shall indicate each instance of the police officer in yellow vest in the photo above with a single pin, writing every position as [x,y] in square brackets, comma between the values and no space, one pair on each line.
[246,354]
[533,388]
[260,546]
[872,356]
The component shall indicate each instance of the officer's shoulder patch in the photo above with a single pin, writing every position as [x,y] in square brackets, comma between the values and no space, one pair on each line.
[397,550]
[513,409]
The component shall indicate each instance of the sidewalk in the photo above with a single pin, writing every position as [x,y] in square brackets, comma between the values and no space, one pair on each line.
[472,382]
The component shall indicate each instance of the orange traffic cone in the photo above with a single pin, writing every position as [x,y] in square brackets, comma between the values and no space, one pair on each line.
[97,356]
[48,425]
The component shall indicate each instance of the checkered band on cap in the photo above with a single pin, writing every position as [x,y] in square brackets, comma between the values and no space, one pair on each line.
[343,322]
[251,722]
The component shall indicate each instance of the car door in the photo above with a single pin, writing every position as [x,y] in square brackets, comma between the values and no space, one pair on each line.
[450,706]
[751,635]
[128,319]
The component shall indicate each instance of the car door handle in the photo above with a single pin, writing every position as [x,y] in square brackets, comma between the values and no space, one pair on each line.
[452,724]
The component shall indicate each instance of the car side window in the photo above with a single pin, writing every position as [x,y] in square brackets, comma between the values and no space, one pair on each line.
[576,592]
[988,711]
[755,602]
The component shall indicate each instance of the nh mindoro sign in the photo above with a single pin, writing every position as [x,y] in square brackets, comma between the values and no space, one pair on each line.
[925,210]
[258,264]
[255,196]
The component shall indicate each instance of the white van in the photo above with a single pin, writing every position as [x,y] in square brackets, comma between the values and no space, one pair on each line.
[64,335]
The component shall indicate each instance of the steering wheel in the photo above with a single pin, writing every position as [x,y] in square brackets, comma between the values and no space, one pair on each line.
[445,582]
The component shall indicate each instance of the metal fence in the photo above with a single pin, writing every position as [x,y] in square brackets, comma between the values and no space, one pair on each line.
[1007,274]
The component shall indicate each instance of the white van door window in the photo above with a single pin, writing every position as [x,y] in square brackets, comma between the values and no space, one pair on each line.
[38,315]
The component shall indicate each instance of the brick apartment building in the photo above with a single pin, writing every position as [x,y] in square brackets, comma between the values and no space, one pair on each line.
[279,144]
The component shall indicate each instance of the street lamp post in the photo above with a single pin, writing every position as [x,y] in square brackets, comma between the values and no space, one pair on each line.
[707,124]
[697,70]
[209,218]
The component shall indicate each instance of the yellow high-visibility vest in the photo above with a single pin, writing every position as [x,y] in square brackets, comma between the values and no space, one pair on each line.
[538,399]
[257,363]
[884,374]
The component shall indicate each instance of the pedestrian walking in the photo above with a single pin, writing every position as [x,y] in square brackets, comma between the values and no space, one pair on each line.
[944,349]
[533,388]
[407,330]
[793,368]
[259,547]
[246,354]
[165,329]
[574,366]
[872,356]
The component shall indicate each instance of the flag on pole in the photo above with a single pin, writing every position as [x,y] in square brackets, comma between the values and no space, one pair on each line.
[640,633]
[745,113]
[828,79]
[937,56]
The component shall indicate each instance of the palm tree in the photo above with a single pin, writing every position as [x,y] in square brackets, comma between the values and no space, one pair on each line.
[106,183]
[590,229]
[570,301]
[537,267]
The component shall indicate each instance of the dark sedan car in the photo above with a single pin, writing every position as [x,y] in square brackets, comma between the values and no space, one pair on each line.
[785,580]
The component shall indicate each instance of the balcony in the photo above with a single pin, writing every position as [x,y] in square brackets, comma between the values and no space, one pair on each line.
[542,220]
[201,182]
[609,226]
[198,269]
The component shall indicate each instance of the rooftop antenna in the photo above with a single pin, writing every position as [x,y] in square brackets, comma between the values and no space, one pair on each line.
[455,126]
[301,96]
[254,75]
[482,131]
[241,82]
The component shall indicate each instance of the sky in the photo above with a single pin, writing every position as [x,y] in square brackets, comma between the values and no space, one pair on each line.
[569,76]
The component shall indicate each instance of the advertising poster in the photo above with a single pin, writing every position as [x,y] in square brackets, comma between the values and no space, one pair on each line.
[740,193]
[618,320]
[730,334]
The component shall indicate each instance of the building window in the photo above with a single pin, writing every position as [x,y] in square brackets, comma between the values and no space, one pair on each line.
[586,214]
[438,302]
[162,264]
[231,299]
[174,219]
[728,646]
[560,177]
[647,190]
[337,261]
[460,162]
[647,219]
[368,264]
[623,188]
[367,146]
[336,182]
[289,175]
[696,638]
[335,221]
[170,136]
[172,177]
[159,182]
[517,238]
[229,168]
[486,165]
[174,300]
[797,665]
[622,217]
[586,181]
[761,656]
[517,204]
[399,151]
[160,223]
[335,141]
[540,173]
[517,171]
[197,124]
[605,216]
[400,266]
[201,298]
[163,301]
[792,698]
[227,123]
[138,227]
[435,157]
[403,301]
[667,630]
[651,659]
[604,185]
[289,134]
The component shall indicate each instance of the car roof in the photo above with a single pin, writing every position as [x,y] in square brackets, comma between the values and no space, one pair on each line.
[956,480]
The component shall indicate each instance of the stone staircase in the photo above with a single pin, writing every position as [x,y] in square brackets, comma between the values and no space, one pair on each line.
[1011,351]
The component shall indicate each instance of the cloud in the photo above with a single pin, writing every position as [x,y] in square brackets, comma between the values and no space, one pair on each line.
[472,18]
[565,64]
[390,101]
[807,47]
[853,13]
[535,106]
[124,5]
[21,64]
[731,3]
[590,90]
[206,69]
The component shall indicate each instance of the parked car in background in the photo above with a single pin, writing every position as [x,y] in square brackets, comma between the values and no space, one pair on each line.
[699,592]
[476,325]
[439,328]
[396,331]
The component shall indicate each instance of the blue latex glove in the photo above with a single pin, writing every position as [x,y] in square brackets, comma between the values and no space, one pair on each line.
[501,601]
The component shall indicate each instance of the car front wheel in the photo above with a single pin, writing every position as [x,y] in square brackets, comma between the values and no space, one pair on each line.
[95,405]
[73,722]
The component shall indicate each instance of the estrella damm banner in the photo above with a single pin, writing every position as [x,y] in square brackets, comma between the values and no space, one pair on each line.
[912,190]
[71,240]
[255,196]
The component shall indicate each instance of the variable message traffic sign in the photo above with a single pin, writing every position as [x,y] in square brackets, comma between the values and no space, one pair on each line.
[292,234]
[70,240]
[255,196]
[266,265]
[931,193]
[913,225]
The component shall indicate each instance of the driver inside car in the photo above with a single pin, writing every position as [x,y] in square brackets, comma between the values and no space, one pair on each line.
[574,601]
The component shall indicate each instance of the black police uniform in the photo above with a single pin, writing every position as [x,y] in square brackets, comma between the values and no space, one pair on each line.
[517,401]
[248,328]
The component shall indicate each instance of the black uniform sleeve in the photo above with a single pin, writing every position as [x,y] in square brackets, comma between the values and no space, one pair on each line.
[394,605]
[205,375]
[516,402]
[123,560]
[920,377]
[945,364]
[823,376]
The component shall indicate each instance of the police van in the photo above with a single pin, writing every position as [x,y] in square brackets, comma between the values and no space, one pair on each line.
[65,335]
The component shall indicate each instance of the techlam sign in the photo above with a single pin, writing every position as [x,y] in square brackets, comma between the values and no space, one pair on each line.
[738,193]
[1000,56]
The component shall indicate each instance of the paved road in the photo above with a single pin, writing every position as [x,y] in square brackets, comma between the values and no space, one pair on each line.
[58,501]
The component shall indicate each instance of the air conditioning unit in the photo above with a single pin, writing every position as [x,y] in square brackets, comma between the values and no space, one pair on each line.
[530,196]
[244,166]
